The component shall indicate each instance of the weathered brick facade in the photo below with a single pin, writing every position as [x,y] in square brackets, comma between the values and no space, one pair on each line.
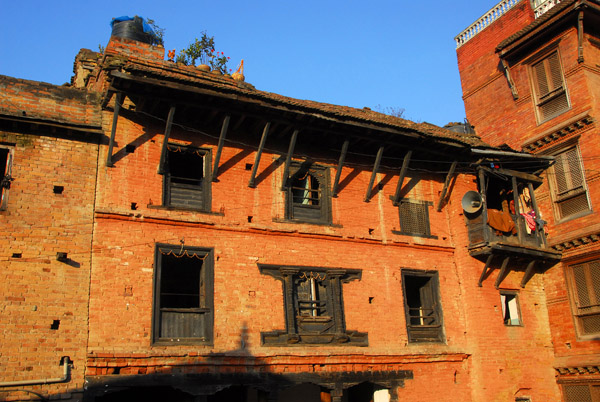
[571,30]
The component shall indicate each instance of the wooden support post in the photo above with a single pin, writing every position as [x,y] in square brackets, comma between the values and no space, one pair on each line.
[163,154]
[338,172]
[261,146]
[580,37]
[288,159]
[117,109]
[224,127]
[374,174]
[528,273]
[405,163]
[518,216]
[502,272]
[446,184]
[483,192]
[487,264]
[539,231]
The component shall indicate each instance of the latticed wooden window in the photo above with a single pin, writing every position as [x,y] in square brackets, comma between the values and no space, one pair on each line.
[570,190]
[183,305]
[549,87]
[187,178]
[581,392]
[414,217]
[585,287]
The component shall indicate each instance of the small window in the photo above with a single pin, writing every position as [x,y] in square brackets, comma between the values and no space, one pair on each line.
[422,307]
[549,87]
[5,175]
[414,218]
[308,196]
[183,295]
[511,313]
[314,310]
[581,392]
[584,286]
[570,193]
[187,178]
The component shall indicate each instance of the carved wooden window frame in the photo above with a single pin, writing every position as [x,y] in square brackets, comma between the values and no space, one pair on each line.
[300,203]
[196,320]
[424,323]
[328,327]
[188,184]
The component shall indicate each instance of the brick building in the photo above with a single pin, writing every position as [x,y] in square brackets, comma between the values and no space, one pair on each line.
[539,63]
[248,246]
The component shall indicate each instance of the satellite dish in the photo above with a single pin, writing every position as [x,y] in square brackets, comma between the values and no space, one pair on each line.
[472,202]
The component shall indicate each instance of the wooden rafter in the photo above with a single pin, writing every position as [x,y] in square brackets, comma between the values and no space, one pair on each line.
[405,163]
[224,127]
[288,159]
[446,184]
[163,154]
[374,173]
[261,146]
[338,172]
[117,109]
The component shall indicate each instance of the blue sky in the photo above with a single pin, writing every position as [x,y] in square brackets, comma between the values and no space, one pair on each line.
[378,54]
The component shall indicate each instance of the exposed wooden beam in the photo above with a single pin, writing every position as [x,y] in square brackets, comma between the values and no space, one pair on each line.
[338,172]
[163,153]
[502,273]
[113,130]
[528,273]
[446,184]
[511,84]
[485,268]
[405,163]
[580,37]
[288,159]
[261,146]
[374,173]
[224,128]
[521,175]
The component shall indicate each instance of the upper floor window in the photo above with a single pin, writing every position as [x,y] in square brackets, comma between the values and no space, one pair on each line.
[5,175]
[584,286]
[511,313]
[187,178]
[549,87]
[183,294]
[313,305]
[570,193]
[414,218]
[308,196]
[422,306]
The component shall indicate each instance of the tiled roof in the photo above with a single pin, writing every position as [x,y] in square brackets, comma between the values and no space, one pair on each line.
[189,75]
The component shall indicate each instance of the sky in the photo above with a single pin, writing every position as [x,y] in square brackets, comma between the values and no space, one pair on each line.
[385,55]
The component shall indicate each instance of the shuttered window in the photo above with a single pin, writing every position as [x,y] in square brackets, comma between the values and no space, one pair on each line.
[187,178]
[581,392]
[308,194]
[5,175]
[414,218]
[549,86]
[422,306]
[183,295]
[571,196]
[585,289]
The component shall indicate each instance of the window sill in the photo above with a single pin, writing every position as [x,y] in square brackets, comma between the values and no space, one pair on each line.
[282,338]
[307,222]
[414,234]
[172,208]
[182,342]
[574,216]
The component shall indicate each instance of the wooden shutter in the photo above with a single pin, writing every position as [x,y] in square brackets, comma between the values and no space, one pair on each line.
[586,289]
[571,194]
[414,217]
[549,87]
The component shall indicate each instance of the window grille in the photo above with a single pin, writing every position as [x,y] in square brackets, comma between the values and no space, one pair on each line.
[549,87]
[585,287]
[570,190]
[414,218]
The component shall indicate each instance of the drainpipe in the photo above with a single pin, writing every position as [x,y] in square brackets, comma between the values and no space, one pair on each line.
[65,362]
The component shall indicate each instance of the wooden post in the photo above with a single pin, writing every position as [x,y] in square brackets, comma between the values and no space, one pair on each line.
[288,159]
[374,174]
[224,128]
[163,154]
[483,191]
[117,109]
[539,232]
[446,183]
[405,163]
[518,217]
[338,172]
[261,146]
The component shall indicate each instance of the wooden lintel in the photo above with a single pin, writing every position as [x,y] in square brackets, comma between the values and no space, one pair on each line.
[374,174]
[261,146]
[224,127]
[163,154]
[528,273]
[288,159]
[446,184]
[338,171]
[113,130]
[405,163]
[519,175]
[485,268]
[502,273]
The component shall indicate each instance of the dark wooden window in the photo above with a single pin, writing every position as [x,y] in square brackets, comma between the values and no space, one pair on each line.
[314,310]
[183,295]
[414,218]
[187,178]
[585,290]
[549,87]
[581,392]
[308,196]
[570,194]
[5,175]
[422,306]
[511,311]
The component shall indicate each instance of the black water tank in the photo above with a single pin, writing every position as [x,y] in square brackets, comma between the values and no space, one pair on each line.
[131,29]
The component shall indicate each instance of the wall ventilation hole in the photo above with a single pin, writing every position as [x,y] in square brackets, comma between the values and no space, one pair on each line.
[250,219]
[17,255]
[134,206]
[248,166]
[58,189]
[55,324]
[371,231]
[129,148]
[371,299]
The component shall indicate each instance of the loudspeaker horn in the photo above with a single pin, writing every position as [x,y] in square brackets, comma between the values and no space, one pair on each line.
[472,202]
